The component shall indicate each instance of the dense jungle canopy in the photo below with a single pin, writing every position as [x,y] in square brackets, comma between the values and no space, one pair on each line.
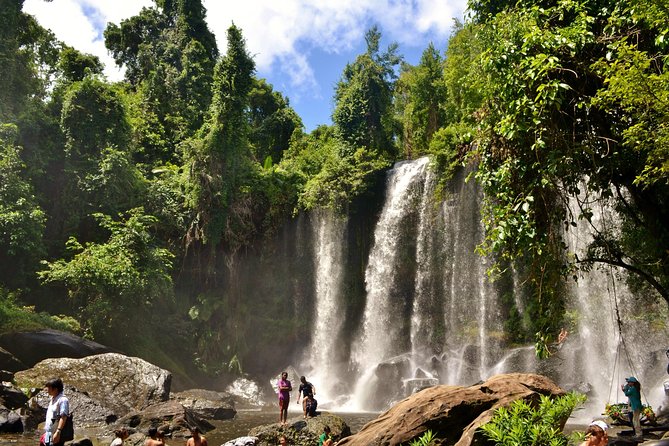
[124,206]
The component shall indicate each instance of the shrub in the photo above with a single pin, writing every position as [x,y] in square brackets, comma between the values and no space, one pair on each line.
[524,424]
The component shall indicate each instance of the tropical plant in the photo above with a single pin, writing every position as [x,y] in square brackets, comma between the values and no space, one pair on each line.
[524,423]
[427,439]
[116,284]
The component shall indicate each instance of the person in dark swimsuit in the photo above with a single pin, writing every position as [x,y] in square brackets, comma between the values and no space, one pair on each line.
[308,390]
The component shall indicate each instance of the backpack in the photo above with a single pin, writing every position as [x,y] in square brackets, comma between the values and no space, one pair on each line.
[312,404]
[67,432]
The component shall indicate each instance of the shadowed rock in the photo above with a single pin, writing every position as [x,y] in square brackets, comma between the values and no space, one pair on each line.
[207,403]
[171,417]
[31,347]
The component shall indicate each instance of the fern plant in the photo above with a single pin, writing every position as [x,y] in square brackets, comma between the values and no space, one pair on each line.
[426,439]
[524,424]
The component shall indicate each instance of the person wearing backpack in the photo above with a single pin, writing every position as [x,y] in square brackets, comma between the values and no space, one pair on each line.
[57,414]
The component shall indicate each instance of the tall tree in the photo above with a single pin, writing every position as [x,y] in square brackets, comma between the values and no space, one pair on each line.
[219,157]
[363,98]
[21,218]
[170,55]
[419,92]
[272,122]
[28,55]
[574,104]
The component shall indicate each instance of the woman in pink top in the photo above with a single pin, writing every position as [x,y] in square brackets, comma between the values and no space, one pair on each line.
[284,397]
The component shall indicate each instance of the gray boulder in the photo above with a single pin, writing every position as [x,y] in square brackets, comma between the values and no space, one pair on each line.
[86,412]
[11,396]
[31,347]
[301,432]
[170,417]
[115,382]
[207,404]
[10,421]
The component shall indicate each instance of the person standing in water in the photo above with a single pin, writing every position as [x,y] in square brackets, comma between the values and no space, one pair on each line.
[195,438]
[632,389]
[56,413]
[284,397]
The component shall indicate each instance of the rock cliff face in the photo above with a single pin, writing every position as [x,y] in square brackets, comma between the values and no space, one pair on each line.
[120,383]
[454,412]
[29,348]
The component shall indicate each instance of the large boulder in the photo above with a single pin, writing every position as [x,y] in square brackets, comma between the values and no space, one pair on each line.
[11,396]
[86,412]
[9,363]
[10,421]
[170,417]
[31,347]
[120,383]
[208,404]
[454,413]
[301,432]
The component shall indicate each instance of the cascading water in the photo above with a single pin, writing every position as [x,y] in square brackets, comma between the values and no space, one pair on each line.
[321,357]
[384,320]
[432,316]
[597,354]
[422,335]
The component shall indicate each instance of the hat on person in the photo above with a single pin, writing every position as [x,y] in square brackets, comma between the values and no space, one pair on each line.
[601,424]
[631,379]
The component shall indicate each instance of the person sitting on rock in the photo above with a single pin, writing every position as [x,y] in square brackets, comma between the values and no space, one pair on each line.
[195,438]
[326,438]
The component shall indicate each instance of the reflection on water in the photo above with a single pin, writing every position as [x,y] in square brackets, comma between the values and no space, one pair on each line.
[225,430]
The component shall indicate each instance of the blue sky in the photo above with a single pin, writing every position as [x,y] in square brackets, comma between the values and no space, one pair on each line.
[299,46]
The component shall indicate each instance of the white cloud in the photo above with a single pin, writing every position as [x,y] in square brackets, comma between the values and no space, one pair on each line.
[279,34]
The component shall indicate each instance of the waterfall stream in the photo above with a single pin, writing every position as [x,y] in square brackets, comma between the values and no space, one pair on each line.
[431,315]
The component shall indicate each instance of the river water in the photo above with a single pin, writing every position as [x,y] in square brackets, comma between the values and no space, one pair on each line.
[226,430]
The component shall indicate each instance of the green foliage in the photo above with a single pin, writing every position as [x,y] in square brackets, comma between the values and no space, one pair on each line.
[219,159]
[28,54]
[15,317]
[572,99]
[419,91]
[169,54]
[21,218]
[272,122]
[427,439]
[75,66]
[363,98]
[93,118]
[116,283]
[523,423]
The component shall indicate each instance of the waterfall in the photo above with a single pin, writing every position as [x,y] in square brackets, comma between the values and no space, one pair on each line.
[431,315]
[382,335]
[321,358]
[421,334]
